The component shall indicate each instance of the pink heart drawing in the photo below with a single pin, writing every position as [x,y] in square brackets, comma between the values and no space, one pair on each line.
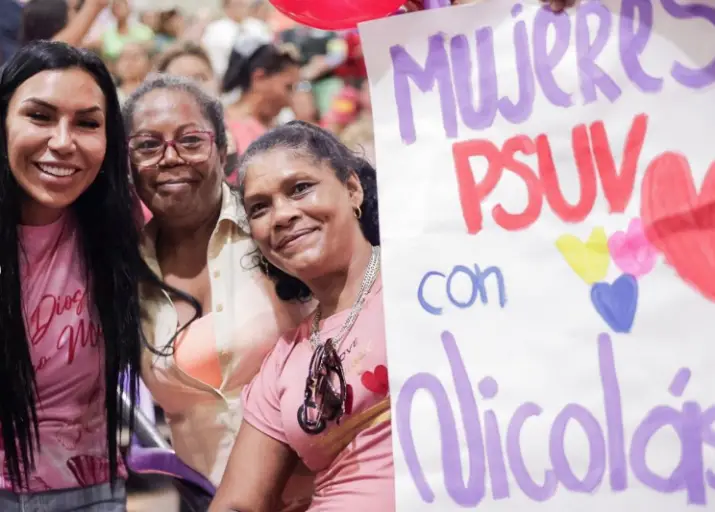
[631,251]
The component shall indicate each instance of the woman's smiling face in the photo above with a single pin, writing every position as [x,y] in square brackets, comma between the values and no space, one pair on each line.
[302,217]
[56,140]
[175,189]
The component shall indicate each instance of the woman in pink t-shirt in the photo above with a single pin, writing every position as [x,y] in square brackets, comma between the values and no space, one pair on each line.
[265,75]
[69,272]
[312,208]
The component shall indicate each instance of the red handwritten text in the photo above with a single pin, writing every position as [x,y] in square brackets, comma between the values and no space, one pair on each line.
[78,329]
[589,145]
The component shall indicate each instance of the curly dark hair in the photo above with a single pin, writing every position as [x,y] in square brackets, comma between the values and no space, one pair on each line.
[108,216]
[319,145]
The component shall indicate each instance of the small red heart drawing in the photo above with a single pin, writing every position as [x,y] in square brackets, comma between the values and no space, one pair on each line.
[376,380]
[679,221]
[349,400]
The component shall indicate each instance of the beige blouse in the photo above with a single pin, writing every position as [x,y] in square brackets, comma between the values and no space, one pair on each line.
[247,320]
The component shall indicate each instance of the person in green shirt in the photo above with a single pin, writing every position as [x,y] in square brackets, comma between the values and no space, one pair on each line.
[125,31]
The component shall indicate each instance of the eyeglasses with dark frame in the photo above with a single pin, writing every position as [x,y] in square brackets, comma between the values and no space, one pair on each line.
[322,401]
[194,147]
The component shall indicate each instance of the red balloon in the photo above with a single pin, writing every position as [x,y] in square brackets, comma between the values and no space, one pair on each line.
[336,14]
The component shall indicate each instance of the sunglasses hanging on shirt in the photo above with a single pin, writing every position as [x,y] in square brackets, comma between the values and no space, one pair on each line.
[326,386]
[325,390]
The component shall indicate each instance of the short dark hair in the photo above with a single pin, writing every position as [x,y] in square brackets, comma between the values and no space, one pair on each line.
[43,19]
[164,18]
[186,48]
[211,108]
[270,58]
[319,145]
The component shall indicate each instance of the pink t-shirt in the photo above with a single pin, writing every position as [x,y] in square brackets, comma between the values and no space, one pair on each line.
[352,461]
[65,347]
[245,131]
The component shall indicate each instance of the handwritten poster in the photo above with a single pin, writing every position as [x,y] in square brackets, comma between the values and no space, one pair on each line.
[547,196]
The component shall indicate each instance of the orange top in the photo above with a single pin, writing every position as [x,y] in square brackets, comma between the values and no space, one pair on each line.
[196,354]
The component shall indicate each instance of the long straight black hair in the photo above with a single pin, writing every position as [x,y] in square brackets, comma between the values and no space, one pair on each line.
[108,217]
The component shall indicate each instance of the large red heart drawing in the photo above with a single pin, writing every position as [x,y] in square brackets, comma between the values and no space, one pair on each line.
[376,380]
[679,221]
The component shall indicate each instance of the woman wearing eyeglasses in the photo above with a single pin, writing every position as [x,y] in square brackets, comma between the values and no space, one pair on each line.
[189,60]
[206,342]
[321,396]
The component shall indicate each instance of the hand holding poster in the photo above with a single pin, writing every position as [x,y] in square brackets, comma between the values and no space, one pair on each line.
[547,196]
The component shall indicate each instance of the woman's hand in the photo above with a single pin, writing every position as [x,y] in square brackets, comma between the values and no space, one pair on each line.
[256,474]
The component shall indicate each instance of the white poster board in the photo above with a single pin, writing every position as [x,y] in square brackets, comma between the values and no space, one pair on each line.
[547,197]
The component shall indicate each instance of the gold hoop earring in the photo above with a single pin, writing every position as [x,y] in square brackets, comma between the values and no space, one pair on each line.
[358,213]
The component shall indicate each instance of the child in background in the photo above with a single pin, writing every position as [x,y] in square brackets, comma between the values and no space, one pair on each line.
[132,67]
[170,28]
[125,31]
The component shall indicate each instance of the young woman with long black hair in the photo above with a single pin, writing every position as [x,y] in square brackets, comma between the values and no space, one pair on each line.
[69,272]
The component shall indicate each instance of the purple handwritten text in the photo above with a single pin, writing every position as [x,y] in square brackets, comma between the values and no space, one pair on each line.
[449,66]
[493,456]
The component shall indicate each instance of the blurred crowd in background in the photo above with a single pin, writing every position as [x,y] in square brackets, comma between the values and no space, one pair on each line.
[266,69]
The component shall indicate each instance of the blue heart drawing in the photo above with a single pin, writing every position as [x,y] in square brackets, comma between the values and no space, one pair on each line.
[617,302]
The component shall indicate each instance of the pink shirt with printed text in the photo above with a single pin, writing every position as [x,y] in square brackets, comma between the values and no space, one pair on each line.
[66,352]
[352,461]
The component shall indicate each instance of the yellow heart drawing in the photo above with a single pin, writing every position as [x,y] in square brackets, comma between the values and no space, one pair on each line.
[589,260]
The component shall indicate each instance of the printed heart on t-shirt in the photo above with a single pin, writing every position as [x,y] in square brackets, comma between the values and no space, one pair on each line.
[376,380]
